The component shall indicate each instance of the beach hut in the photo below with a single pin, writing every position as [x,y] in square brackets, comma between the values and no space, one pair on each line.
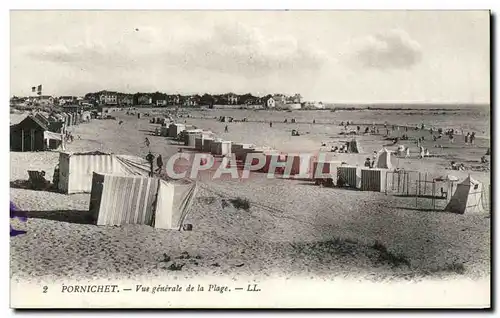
[65,119]
[300,164]
[383,160]
[467,198]
[164,131]
[75,169]
[175,129]
[207,144]
[271,155]
[349,177]
[43,119]
[190,137]
[328,170]
[220,148]
[118,200]
[240,149]
[198,143]
[373,179]
[31,135]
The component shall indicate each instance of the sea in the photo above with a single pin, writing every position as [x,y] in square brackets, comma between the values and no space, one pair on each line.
[469,118]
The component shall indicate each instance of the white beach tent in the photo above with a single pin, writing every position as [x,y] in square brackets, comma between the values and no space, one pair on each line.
[118,200]
[467,198]
[76,169]
[383,160]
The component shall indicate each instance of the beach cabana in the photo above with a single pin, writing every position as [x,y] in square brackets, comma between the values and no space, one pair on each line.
[118,200]
[76,169]
[31,135]
[349,177]
[467,198]
[383,160]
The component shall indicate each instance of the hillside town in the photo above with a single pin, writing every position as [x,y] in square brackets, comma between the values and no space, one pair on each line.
[158,99]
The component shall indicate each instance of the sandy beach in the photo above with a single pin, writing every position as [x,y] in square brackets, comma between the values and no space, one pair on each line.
[293,228]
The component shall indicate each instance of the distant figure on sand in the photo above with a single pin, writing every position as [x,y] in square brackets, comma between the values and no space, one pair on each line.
[368,163]
[159,163]
[472,137]
[314,121]
[150,157]
[467,138]
[271,124]
[226,129]
[146,141]
[422,152]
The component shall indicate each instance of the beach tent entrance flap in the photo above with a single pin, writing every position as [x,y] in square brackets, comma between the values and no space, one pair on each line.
[174,203]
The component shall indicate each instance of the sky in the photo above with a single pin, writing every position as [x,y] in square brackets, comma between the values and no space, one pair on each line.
[329,56]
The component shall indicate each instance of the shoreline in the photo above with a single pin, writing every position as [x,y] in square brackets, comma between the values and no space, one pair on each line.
[363,125]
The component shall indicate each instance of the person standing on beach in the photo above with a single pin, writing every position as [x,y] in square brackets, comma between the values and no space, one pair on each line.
[422,152]
[467,138]
[271,124]
[159,163]
[150,157]
[472,137]
[226,129]
[374,158]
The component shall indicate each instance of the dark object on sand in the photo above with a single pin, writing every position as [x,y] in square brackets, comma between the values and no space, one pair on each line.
[37,180]
[240,203]
[175,267]
[295,132]
[488,152]
[166,258]
[187,227]
[327,182]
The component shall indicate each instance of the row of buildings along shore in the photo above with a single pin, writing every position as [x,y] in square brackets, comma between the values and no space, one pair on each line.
[117,99]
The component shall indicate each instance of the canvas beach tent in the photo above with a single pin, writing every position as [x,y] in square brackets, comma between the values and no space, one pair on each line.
[353,146]
[76,169]
[383,160]
[467,198]
[118,200]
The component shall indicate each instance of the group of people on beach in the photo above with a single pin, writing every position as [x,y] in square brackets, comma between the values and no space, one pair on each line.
[150,158]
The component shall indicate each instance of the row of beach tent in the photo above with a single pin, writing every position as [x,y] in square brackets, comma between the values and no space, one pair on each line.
[121,191]
[365,179]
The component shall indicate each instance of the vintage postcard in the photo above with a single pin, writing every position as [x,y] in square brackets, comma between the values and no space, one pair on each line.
[250,159]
